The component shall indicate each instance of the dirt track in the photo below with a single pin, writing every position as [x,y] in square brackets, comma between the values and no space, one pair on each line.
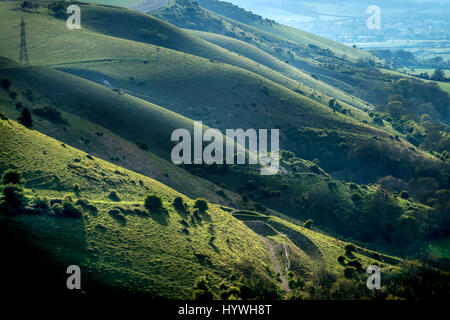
[275,264]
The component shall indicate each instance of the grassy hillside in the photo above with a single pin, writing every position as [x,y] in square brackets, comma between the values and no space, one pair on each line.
[124,248]
[353,72]
[260,56]
[321,249]
[157,74]
[155,253]
[301,37]
[105,144]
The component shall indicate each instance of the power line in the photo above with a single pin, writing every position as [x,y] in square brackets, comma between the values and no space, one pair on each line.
[23,45]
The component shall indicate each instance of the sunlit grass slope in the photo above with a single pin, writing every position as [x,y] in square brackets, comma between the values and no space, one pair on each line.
[141,253]
[256,54]
[103,37]
[105,144]
[323,250]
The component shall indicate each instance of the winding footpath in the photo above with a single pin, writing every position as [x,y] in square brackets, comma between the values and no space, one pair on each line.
[275,264]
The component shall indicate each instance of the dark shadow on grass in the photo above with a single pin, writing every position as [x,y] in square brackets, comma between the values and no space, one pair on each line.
[160,216]
[184,213]
[204,216]
[118,216]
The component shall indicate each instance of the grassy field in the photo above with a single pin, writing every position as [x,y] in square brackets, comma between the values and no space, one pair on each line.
[155,253]
[256,54]
[141,252]
[429,71]
[323,251]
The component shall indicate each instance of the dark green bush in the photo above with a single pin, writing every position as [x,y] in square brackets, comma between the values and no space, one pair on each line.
[114,196]
[179,204]
[349,248]
[11,176]
[142,145]
[40,205]
[5,83]
[356,197]
[153,202]
[69,210]
[201,204]
[13,199]
[25,118]
[404,195]
[355,263]
[350,272]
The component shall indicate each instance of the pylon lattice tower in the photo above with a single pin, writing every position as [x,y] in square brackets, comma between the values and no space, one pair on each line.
[23,44]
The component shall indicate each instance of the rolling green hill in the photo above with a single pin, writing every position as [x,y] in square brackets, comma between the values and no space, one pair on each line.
[303,192]
[348,69]
[298,36]
[260,56]
[88,126]
[155,253]
[122,247]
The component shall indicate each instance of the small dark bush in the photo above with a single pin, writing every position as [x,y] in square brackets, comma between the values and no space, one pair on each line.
[353,186]
[153,202]
[11,176]
[13,95]
[179,204]
[66,209]
[13,198]
[40,205]
[114,196]
[356,197]
[201,204]
[349,248]
[116,214]
[356,264]
[70,211]
[25,118]
[350,272]
[142,145]
[404,195]
[55,201]
[5,83]
[251,185]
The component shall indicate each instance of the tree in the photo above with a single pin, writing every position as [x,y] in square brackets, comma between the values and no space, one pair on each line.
[5,83]
[114,196]
[179,204]
[350,272]
[26,5]
[404,195]
[438,75]
[201,204]
[142,145]
[25,118]
[11,176]
[153,202]
[349,248]
[13,198]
